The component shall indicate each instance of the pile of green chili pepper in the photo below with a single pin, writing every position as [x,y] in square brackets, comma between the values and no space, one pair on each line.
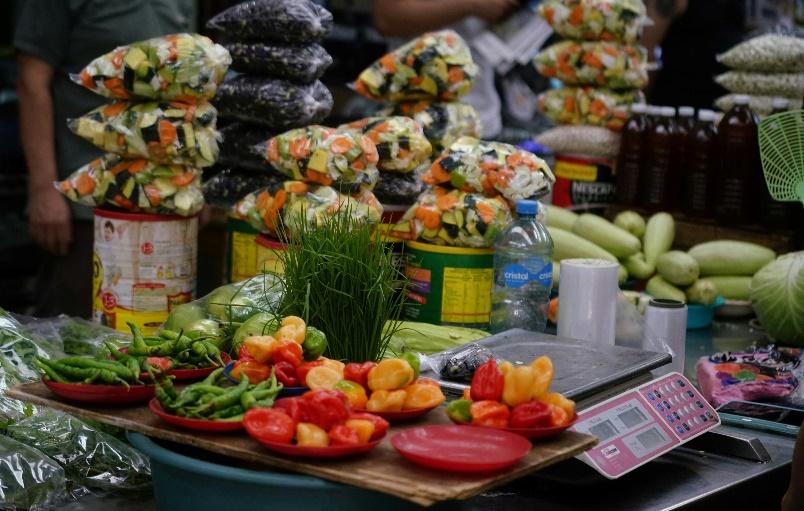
[123,369]
[183,350]
[211,399]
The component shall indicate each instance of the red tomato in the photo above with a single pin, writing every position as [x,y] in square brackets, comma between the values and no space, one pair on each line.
[327,408]
[343,435]
[288,351]
[380,425]
[295,407]
[269,424]
[358,373]
[286,373]
[302,370]
[256,371]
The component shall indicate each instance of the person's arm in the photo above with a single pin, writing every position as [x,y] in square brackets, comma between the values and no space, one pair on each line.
[406,18]
[49,214]
[794,498]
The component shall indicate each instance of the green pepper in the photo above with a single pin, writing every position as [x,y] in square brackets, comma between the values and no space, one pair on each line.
[49,371]
[315,344]
[412,359]
[138,346]
[458,411]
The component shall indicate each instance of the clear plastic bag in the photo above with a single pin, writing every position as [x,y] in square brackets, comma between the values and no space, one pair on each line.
[174,67]
[774,53]
[399,188]
[435,66]
[589,106]
[459,364]
[762,105]
[596,20]
[30,479]
[171,133]
[297,63]
[300,21]
[237,146]
[296,203]
[789,85]
[230,185]
[443,123]
[135,185]
[455,218]
[275,103]
[492,168]
[589,140]
[89,457]
[400,141]
[597,63]
[345,160]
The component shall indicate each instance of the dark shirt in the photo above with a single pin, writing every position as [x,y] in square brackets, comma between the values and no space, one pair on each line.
[706,28]
[68,34]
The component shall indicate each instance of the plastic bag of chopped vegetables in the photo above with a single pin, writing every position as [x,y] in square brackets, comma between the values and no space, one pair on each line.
[603,64]
[317,154]
[295,203]
[596,20]
[230,185]
[31,480]
[278,104]
[237,146]
[183,67]
[443,123]
[175,133]
[299,21]
[587,105]
[435,66]
[135,185]
[295,62]
[453,217]
[492,168]
[400,141]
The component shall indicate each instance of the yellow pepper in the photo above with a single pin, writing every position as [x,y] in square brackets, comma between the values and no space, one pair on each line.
[261,347]
[386,401]
[554,398]
[364,428]
[310,435]
[354,391]
[518,385]
[390,374]
[321,377]
[335,365]
[422,395]
[292,328]
[544,376]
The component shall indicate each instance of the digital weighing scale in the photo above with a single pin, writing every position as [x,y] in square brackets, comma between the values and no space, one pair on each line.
[641,424]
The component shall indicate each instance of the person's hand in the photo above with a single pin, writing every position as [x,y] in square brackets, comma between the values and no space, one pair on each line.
[50,220]
[493,11]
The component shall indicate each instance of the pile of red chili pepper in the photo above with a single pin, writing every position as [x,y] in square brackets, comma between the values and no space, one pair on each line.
[319,418]
[508,396]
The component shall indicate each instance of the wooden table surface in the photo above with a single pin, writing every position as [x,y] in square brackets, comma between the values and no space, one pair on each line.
[382,469]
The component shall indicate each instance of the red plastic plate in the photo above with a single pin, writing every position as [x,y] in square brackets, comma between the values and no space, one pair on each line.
[461,448]
[198,373]
[101,394]
[404,415]
[337,451]
[535,432]
[196,424]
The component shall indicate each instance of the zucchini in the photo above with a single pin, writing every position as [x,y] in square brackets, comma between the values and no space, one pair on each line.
[732,287]
[622,274]
[659,233]
[632,222]
[606,235]
[560,217]
[727,257]
[556,274]
[703,291]
[678,268]
[638,267]
[657,287]
[570,246]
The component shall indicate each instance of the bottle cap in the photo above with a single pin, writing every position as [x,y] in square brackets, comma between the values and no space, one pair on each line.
[527,207]
[781,103]
[668,111]
[639,108]
[666,303]
[741,99]
[686,111]
[706,115]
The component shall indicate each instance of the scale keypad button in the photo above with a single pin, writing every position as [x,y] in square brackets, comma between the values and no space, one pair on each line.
[700,405]
[669,418]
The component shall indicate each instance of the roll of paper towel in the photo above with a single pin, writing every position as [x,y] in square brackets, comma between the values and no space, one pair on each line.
[587,300]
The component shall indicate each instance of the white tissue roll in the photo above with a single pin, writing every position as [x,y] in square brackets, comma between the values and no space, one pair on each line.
[587,296]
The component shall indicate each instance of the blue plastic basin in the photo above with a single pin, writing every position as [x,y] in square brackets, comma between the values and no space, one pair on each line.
[700,316]
[182,483]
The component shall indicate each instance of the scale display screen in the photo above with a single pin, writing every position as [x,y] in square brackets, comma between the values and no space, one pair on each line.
[641,424]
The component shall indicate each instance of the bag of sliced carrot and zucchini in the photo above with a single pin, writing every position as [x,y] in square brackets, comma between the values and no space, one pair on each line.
[135,185]
[170,133]
[588,105]
[596,20]
[401,144]
[598,63]
[185,67]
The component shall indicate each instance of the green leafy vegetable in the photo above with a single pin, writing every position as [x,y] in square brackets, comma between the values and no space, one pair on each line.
[777,295]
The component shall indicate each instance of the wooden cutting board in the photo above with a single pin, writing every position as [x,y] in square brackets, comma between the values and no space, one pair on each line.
[383,469]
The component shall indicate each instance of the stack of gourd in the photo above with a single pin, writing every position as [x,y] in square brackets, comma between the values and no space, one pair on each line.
[600,65]
[159,130]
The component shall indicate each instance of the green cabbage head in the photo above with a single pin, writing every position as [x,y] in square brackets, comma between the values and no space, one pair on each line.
[777,294]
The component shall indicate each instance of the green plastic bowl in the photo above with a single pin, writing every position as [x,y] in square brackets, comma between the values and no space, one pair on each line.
[182,483]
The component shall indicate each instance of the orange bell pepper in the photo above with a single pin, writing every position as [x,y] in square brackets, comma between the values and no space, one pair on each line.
[354,391]
[386,401]
[390,374]
[489,413]
[310,435]
[422,395]
[261,347]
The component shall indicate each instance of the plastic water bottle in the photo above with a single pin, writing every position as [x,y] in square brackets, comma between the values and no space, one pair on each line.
[523,273]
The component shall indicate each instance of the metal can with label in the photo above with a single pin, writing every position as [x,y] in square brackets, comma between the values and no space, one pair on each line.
[583,183]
